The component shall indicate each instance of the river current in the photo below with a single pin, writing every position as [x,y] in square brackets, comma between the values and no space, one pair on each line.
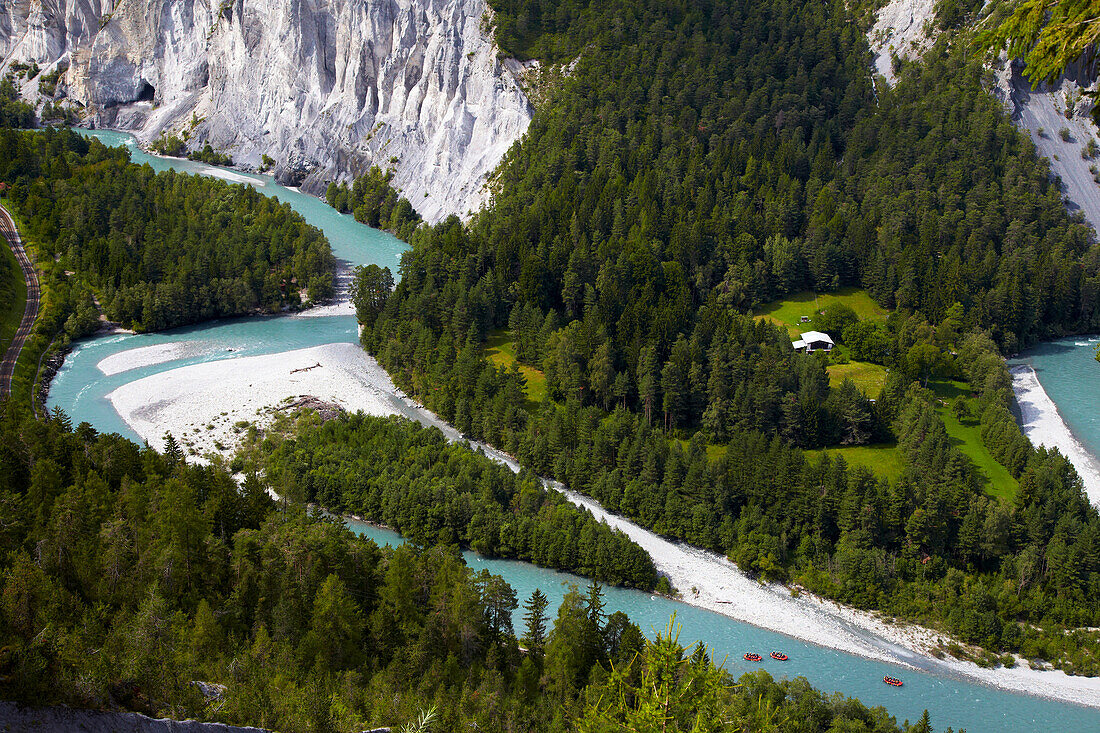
[80,388]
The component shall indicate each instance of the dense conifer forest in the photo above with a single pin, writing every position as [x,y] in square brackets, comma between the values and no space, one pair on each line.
[687,164]
[126,576]
[373,201]
[433,491]
[156,249]
[701,160]
[13,111]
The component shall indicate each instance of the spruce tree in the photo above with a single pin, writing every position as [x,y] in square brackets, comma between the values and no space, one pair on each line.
[535,619]
[172,450]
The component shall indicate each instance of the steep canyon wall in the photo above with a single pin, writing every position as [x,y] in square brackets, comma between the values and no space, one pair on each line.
[326,88]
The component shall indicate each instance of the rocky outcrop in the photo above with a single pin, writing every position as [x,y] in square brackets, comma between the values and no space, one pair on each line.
[44,31]
[1056,117]
[325,88]
[903,28]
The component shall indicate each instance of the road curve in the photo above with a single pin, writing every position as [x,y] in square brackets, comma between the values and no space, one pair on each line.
[30,312]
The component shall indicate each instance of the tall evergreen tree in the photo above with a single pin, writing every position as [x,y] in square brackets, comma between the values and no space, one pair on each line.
[535,619]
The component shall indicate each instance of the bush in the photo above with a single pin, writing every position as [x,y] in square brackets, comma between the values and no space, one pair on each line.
[835,318]
[168,145]
[209,155]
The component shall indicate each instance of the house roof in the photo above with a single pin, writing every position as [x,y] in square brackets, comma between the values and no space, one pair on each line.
[800,344]
[810,337]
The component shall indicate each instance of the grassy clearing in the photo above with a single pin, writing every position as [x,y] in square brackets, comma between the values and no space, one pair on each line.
[500,350]
[714,452]
[884,459]
[870,378]
[13,296]
[967,437]
[788,311]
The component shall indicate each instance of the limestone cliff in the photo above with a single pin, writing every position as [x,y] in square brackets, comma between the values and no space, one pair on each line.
[326,88]
[44,31]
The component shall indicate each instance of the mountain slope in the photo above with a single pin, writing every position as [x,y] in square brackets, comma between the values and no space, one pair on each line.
[908,28]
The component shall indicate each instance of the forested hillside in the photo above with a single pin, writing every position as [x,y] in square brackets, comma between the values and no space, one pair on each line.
[158,250]
[126,576]
[948,203]
[697,161]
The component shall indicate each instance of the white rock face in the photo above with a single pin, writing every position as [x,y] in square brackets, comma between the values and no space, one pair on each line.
[324,87]
[1056,117]
[901,29]
[45,30]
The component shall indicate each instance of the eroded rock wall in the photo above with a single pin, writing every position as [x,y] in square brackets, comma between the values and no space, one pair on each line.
[44,31]
[325,88]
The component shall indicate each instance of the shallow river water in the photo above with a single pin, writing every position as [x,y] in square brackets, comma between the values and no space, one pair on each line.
[1068,371]
[80,388]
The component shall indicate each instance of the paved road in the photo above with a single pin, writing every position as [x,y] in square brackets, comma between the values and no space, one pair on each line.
[30,312]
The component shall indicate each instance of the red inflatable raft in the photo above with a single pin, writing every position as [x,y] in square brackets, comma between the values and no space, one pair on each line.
[892,681]
[779,656]
[751,657]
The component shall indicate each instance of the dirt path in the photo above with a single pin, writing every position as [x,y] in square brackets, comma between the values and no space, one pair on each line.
[30,312]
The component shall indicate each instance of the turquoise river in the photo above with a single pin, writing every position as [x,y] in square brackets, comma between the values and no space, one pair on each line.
[80,388]
[1070,376]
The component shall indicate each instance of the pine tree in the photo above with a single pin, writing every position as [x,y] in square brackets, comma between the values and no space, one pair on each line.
[206,636]
[596,604]
[535,619]
[568,655]
[622,387]
[371,287]
[63,420]
[499,600]
[648,377]
[601,373]
[336,624]
[172,450]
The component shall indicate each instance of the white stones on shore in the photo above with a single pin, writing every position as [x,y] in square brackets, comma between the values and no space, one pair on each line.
[1043,425]
[202,404]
